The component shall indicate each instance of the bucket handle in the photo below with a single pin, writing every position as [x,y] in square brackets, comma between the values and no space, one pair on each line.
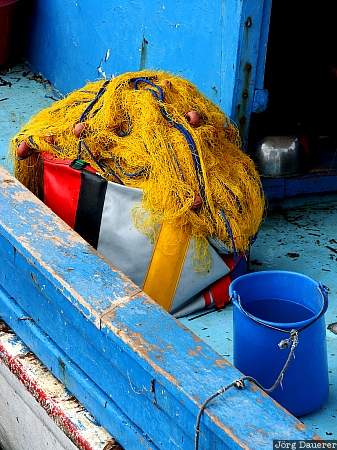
[323,291]
[291,342]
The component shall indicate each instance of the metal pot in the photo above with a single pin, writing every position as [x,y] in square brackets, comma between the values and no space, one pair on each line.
[278,156]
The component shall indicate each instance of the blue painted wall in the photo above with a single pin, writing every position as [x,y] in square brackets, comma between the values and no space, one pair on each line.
[69,40]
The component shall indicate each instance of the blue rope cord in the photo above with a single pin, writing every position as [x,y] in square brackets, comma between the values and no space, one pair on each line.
[135,174]
[158,94]
[87,110]
[178,166]
[229,231]
[102,166]
[32,142]
[235,197]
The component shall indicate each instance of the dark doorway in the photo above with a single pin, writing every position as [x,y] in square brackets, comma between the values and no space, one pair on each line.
[301,77]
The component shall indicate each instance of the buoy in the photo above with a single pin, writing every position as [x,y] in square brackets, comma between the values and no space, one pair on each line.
[79,128]
[193,118]
[50,139]
[167,84]
[197,202]
[23,150]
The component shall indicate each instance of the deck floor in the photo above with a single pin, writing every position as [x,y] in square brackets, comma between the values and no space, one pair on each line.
[22,94]
[301,238]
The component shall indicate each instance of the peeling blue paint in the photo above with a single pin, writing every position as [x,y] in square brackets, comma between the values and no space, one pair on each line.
[198,40]
[92,320]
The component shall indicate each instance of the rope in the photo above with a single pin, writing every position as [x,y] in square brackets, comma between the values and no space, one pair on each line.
[221,391]
[99,94]
[176,162]
[159,95]
[193,150]
[103,167]
[32,142]
[293,340]
[229,231]
[136,174]
[81,143]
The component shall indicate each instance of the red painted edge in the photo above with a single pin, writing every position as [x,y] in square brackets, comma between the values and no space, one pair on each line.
[46,402]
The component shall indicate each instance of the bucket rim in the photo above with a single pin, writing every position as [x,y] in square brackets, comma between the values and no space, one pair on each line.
[284,325]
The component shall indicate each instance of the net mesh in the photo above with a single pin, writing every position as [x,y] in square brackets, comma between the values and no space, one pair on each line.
[136,131]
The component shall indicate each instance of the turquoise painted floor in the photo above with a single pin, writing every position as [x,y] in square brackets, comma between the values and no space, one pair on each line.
[300,237]
[22,94]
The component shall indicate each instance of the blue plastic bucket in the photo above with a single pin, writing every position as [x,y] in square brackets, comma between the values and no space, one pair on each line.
[267,306]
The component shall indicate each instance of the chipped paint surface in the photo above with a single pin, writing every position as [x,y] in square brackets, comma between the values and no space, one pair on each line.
[25,96]
[254,25]
[138,38]
[191,367]
[221,362]
[143,367]
[300,426]
[50,232]
[51,395]
[195,351]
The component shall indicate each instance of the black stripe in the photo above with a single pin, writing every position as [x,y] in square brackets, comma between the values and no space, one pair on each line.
[90,206]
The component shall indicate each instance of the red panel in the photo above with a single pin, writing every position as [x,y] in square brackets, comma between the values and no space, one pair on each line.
[61,187]
[230,260]
[219,289]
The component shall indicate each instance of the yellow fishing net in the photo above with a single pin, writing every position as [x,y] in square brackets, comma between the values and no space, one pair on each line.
[137,130]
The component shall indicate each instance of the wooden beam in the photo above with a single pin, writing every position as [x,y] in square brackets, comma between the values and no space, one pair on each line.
[254,18]
[132,365]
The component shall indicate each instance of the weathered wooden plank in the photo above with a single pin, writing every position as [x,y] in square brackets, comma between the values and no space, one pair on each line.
[67,329]
[60,255]
[23,424]
[281,188]
[39,412]
[310,184]
[228,421]
[138,40]
[77,382]
[251,58]
[155,373]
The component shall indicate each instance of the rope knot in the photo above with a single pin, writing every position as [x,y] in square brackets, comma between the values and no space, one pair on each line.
[291,341]
[239,384]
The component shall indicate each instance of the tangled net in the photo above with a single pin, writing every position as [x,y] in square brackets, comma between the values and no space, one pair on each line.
[134,129]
